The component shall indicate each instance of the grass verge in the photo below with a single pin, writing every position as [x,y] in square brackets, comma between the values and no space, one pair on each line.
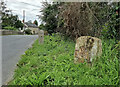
[52,63]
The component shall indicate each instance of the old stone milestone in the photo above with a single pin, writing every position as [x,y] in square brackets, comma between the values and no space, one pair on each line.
[87,48]
[41,36]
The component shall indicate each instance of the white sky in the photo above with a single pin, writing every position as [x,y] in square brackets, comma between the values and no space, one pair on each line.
[31,7]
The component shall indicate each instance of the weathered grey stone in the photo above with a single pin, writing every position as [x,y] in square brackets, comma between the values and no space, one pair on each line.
[86,49]
[41,36]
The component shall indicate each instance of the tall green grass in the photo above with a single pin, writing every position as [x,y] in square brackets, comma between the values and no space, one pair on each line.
[52,63]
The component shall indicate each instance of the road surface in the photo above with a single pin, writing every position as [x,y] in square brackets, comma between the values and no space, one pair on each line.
[13,46]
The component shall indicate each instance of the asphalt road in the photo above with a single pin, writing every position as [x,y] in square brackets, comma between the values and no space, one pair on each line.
[13,46]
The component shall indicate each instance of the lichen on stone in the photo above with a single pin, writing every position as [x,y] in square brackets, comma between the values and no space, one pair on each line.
[86,49]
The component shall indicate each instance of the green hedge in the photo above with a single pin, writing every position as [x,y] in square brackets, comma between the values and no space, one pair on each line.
[10,28]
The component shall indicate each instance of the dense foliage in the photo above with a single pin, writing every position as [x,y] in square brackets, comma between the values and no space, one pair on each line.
[52,63]
[42,27]
[108,21]
[11,20]
[49,17]
[76,19]
[27,31]
[8,19]
[83,18]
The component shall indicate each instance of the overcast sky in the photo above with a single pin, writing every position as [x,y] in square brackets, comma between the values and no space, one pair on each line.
[31,7]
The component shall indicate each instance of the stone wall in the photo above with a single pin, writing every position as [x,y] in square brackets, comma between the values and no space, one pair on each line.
[10,32]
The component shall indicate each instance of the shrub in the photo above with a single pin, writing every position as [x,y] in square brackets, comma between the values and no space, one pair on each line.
[75,19]
[42,27]
[27,31]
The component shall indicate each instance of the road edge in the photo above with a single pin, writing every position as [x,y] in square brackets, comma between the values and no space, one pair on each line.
[12,72]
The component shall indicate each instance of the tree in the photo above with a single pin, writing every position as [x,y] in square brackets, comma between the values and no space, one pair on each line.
[49,16]
[35,22]
[42,27]
[19,24]
[11,20]
[3,7]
